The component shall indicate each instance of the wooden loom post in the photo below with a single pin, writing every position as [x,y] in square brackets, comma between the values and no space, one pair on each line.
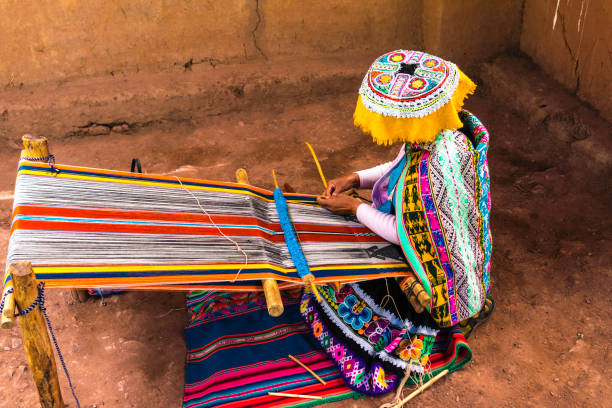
[35,336]
[36,147]
[274,301]
[414,291]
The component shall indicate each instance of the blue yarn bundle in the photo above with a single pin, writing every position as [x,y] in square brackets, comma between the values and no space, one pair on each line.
[297,256]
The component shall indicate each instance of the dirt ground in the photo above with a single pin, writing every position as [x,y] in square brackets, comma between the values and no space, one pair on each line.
[547,343]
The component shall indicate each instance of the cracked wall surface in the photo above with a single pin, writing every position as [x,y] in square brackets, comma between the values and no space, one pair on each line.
[572,41]
[45,41]
[51,41]
[471,31]
[54,40]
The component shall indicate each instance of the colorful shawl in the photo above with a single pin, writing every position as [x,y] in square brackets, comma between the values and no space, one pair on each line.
[442,207]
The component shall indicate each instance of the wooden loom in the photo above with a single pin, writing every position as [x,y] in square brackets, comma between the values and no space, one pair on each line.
[35,337]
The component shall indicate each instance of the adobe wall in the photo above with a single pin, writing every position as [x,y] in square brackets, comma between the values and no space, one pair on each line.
[571,40]
[471,31]
[50,41]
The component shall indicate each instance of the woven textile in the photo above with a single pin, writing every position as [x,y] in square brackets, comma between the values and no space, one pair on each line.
[373,347]
[443,206]
[237,353]
[88,228]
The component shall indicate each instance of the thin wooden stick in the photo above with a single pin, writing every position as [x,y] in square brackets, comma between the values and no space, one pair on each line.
[285,394]
[35,337]
[274,178]
[421,389]
[274,302]
[305,367]
[314,156]
[337,285]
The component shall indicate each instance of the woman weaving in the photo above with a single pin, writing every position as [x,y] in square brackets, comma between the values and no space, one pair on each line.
[433,201]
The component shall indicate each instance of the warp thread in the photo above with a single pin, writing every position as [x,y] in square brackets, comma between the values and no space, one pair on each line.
[297,255]
[246,257]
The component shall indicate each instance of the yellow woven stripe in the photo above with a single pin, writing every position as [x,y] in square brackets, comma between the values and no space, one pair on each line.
[146,183]
[152,268]
[155,184]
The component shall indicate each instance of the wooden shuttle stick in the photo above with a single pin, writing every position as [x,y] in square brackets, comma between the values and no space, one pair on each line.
[288,395]
[314,157]
[270,287]
[305,367]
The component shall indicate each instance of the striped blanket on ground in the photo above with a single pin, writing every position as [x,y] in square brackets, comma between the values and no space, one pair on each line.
[237,353]
[83,227]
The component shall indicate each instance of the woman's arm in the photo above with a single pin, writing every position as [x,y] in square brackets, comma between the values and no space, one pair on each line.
[369,177]
[383,224]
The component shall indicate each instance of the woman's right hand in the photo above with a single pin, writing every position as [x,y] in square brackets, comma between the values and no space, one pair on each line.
[338,185]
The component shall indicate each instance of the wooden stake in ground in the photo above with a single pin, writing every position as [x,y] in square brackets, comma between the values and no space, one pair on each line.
[270,287]
[35,337]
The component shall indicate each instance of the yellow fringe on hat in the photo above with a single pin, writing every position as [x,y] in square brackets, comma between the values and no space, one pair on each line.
[386,130]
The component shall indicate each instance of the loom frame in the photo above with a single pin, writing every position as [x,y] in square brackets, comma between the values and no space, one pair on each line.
[35,336]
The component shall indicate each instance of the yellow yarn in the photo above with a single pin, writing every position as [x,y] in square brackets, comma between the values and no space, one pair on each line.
[386,130]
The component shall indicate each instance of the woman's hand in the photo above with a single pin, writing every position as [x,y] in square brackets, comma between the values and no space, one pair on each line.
[340,204]
[338,185]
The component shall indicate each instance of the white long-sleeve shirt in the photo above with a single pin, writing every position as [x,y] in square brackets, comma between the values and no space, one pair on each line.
[377,178]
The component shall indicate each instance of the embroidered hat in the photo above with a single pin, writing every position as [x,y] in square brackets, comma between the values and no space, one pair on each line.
[411,96]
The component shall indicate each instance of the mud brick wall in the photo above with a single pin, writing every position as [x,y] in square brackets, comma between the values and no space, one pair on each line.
[572,40]
[54,41]
[44,41]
